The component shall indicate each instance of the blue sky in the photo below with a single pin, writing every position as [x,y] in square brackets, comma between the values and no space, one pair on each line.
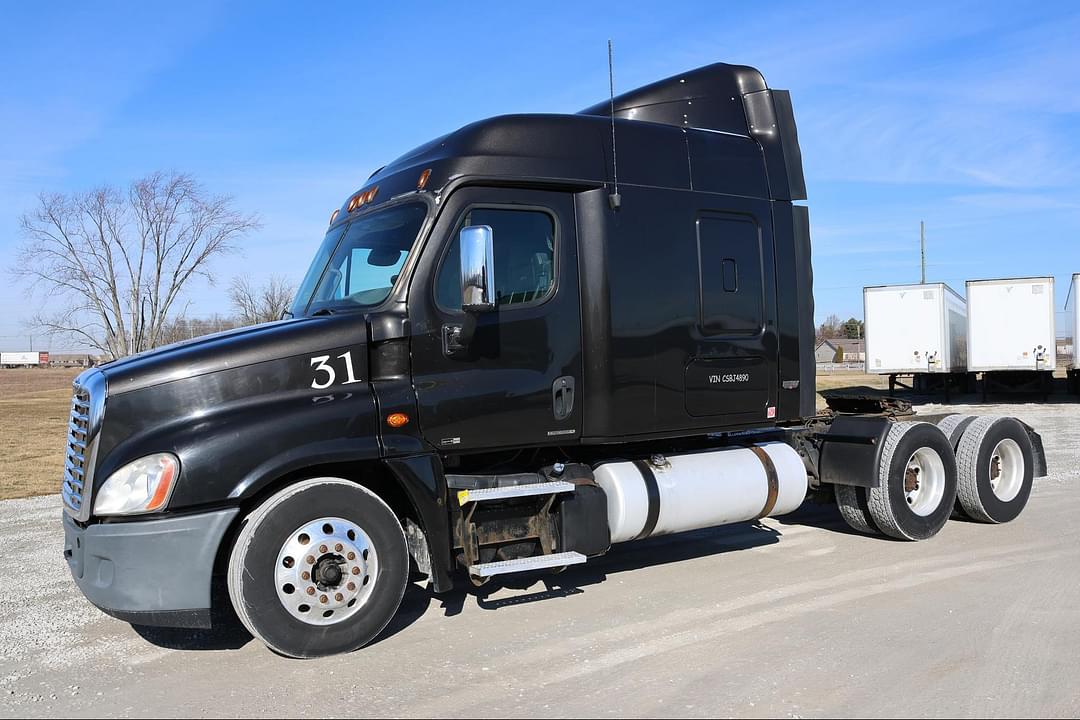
[965,115]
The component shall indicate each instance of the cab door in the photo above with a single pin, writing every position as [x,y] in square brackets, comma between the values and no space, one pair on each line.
[516,381]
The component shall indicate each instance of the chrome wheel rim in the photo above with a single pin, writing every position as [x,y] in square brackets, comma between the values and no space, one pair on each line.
[326,571]
[924,481]
[1006,470]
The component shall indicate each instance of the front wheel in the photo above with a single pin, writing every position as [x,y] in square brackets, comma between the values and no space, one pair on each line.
[318,569]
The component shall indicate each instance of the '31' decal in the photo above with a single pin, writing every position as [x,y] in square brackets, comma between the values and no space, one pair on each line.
[323,368]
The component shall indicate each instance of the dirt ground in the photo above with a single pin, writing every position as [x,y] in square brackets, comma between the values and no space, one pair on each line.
[34,407]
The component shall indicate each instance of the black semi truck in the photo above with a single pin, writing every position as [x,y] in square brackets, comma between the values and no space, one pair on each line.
[517,344]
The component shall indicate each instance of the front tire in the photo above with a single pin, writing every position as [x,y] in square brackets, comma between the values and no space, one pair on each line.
[318,569]
[996,469]
[916,482]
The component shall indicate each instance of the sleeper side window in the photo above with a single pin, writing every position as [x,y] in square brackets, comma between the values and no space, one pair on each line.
[730,272]
[524,246]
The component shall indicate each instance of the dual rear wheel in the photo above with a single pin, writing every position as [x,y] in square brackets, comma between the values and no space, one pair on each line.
[981,467]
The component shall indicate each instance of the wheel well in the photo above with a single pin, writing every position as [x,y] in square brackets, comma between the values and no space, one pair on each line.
[371,474]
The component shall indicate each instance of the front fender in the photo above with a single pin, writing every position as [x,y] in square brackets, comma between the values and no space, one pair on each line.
[236,430]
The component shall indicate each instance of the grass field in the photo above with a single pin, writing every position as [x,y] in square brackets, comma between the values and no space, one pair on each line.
[34,407]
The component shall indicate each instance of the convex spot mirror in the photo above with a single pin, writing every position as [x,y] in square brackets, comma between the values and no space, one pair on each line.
[477,269]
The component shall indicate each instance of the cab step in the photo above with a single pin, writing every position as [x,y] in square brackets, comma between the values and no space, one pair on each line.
[513,491]
[537,562]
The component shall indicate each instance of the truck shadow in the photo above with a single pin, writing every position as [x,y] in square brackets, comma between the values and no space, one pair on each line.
[622,558]
[229,634]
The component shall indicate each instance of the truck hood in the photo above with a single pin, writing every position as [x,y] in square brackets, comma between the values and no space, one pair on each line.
[234,348]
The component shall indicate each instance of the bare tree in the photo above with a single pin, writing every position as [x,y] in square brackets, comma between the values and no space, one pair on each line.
[114,263]
[181,328]
[831,328]
[266,303]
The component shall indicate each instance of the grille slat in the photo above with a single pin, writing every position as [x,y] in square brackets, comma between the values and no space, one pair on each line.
[74,480]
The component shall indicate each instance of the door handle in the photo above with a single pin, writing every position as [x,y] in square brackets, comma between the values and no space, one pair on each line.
[451,339]
[562,397]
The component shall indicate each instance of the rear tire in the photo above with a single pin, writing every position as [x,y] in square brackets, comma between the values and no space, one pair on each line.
[916,482]
[855,509]
[318,569]
[996,468]
[954,426]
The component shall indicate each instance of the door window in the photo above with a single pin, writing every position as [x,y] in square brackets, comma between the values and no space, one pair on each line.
[524,246]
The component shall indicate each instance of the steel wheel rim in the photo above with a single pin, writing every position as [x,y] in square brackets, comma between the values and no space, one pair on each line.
[924,481]
[1006,470]
[326,571]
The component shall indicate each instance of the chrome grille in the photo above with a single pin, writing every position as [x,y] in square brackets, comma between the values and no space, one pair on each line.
[86,409]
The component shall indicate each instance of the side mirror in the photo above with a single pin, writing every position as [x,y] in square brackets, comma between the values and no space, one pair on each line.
[477,269]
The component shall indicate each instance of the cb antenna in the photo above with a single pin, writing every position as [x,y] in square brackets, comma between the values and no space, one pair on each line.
[614,199]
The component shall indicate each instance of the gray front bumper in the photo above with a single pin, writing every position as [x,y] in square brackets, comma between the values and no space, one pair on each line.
[152,572]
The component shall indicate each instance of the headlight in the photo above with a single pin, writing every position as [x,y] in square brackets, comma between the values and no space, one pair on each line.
[139,487]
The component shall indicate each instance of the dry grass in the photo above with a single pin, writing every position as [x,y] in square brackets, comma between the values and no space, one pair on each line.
[34,407]
[850,380]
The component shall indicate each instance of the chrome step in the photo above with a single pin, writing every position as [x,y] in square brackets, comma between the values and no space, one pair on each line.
[537,562]
[514,491]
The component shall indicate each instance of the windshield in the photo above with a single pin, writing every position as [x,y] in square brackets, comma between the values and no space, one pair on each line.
[357,265]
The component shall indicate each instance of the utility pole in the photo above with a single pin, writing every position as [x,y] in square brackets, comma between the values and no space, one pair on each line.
[922,248]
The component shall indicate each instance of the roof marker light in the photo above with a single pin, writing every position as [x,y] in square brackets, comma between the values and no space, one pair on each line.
[333,215]
[424,177]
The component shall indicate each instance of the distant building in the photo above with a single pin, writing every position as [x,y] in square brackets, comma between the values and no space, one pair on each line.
[854,350]
[1065,350]
[73,360]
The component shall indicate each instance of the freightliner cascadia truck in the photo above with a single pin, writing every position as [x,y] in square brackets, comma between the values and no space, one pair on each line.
[517,345]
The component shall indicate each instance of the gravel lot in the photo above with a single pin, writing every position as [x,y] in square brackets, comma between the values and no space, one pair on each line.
[789,617]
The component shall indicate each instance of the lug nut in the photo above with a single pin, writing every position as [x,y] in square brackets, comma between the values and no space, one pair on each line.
[305,575]
[323,599]
[351,556]
[339,597]
[310,559]
[338,547]
[351,586]
[356,571]
[322,548]
[311,591]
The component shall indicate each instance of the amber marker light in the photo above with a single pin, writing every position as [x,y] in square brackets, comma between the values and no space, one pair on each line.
[424,177]
[396,420]
[371,193]
[333,216]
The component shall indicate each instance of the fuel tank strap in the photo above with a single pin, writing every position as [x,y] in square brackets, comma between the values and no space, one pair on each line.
[653,491]
[770,475]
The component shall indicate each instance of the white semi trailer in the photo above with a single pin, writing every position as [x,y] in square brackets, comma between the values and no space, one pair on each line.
[20,359]
[1011,335]
[917,331]
[1074,367]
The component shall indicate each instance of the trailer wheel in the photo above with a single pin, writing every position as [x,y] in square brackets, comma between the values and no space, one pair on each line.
[996,468]
[855,509]
[318,569]
[916,482]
